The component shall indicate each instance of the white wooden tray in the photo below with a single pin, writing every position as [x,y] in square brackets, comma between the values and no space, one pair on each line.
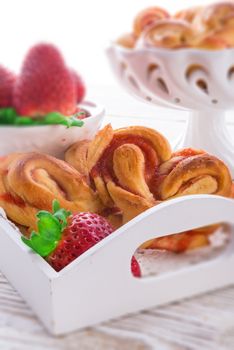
[99,285]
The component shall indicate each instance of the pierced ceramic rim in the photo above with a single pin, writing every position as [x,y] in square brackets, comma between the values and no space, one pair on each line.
[190,50]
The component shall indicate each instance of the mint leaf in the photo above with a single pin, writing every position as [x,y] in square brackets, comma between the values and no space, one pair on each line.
[49,230]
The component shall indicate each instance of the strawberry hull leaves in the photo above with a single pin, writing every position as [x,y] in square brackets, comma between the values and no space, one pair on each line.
[62,237]
[48,236]
[50,227]
[60,214]
[8,116]
[57,118]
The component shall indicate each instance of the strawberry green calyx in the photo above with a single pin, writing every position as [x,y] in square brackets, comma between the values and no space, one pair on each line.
[58,118]
[49,230]
[8,116]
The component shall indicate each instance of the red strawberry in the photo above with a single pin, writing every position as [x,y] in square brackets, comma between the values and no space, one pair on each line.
[7,81]
[45,84]
[62,237]
[135,267]
[84,230]
[80,86]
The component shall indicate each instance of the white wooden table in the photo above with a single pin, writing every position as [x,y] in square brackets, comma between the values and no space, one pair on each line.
[202,323]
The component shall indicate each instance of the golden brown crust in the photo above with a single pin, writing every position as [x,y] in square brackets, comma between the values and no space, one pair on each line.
[203,27]
[178,243]
[213,41]
[158,142]
[190,14]
[146,17]
[15,207]
[31,181]
[57,180]
[202,173]
[190,172]
[76,156]
[135,169]
[122,164]
[213,16]
[184,241]
[128,166]
[169,33]
[225,35]
[127,40]
[98,145]
[130,204]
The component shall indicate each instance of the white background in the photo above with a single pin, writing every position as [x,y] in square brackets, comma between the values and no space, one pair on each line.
[82,29]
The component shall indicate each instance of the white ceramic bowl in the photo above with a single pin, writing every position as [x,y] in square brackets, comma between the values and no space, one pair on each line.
[50,139]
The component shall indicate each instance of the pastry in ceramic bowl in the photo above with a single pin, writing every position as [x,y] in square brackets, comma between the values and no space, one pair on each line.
[128,40]
[225,32]
[45,99]
[213,17]
[168,33]
[142,20]
[203,27]
[190,15]
[147,17]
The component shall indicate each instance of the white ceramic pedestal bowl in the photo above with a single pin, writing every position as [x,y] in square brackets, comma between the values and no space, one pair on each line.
[199,80]
[50,139]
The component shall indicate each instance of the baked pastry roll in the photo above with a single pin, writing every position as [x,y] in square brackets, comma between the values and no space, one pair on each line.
[192,172]
[16,208]
[212,42]
[122,164]
[31,181]
[190,14]
[133,169]
[168,33]
[226,32]
[127,40]
[76,156]
[214,16]
[147,17]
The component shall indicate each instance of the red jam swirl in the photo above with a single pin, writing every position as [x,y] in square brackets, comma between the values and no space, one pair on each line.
[7,197]
[104,166]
